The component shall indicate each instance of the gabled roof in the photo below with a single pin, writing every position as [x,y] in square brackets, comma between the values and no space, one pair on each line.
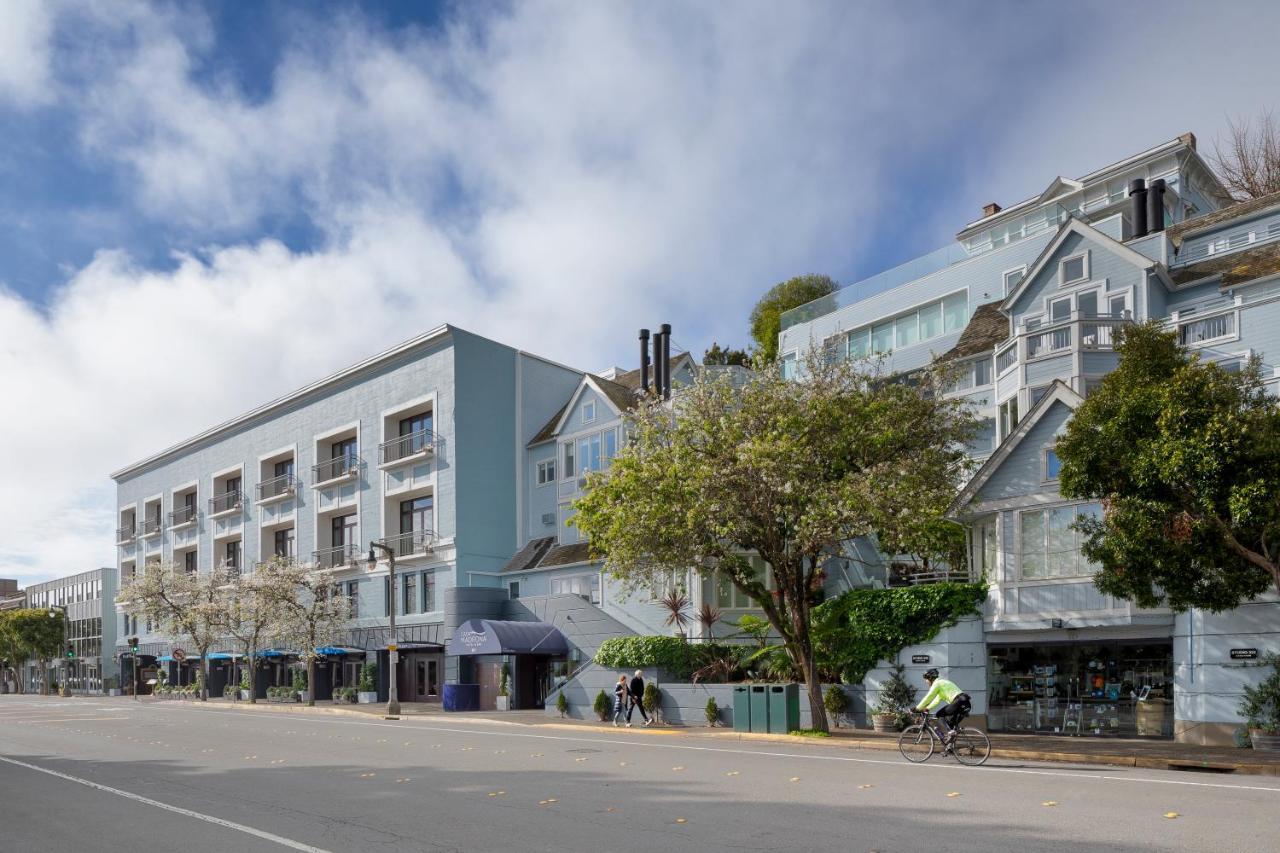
[529,556]
[1084,229]
[1059,392]
[622,392]
[986,329]
[1058,186]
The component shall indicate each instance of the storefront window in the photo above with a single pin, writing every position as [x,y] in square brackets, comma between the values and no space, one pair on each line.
[1051,546]
[1116,689]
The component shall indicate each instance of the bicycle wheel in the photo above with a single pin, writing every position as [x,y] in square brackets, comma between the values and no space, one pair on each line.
[971,747]
[916,744]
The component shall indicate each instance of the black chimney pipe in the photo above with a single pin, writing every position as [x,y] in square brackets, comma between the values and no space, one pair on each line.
[666,361]
[657,363]
[1138,207]
[1155,206]
[644,360]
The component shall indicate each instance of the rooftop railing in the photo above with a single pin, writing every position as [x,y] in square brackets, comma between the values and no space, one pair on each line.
[402,447]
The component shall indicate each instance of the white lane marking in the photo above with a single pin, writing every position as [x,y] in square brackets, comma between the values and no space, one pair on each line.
[248,830]
[892,763]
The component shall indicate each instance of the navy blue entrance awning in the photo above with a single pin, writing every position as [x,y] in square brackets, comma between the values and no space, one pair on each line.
[492,637]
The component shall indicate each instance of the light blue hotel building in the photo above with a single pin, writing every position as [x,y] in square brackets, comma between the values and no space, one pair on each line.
[1025,302]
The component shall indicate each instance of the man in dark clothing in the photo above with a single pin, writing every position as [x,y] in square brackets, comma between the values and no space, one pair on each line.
[635,692]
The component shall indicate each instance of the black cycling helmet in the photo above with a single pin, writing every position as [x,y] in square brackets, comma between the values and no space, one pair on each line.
[931,675]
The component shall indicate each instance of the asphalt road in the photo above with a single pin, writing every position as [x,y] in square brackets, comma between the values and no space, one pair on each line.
[111,775]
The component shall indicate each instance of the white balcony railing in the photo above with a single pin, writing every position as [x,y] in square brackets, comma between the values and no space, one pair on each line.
[276,487]
[411,544]
[1202,329]
[182,515]
[337,556]
[225,502]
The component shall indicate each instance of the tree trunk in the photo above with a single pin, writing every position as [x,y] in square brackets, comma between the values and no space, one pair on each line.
[311,680]
[44,676]
[204,675]
[253,680]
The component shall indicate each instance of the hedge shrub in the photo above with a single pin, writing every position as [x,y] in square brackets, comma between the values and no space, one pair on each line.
[667,653]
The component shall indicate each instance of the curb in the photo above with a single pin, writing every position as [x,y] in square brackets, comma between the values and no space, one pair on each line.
[842,742]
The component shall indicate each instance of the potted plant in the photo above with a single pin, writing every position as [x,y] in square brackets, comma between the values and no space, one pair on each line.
[896,700]
[245,690]
[349,695]
[300,684]
[712,712]
[367,686]
[504,697]
[836,701]
[603,705]
[1261,707]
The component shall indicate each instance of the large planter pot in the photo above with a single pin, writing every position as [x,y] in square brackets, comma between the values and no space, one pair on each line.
[367,698]
[884,722]
[1263,741]
[502,703]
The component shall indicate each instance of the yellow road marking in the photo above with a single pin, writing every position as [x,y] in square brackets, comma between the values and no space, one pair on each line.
[954,794]
[1171,815]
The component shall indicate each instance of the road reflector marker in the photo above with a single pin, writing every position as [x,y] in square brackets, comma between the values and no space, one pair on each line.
[1171,815]
[954,794]
[1049,803]
[681,820]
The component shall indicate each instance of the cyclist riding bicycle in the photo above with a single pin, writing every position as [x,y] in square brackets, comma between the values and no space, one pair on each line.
[956,703]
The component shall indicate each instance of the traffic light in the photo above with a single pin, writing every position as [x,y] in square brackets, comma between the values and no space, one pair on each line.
[71,651]
[133,645]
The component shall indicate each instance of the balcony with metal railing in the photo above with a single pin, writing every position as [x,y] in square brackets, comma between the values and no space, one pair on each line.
[1199,330]
[405,447]
[414,544]
[150,527]
[127,534]
[182,515]
[336,557]
[284,560]
[335,469]
[225,502]
[277,487]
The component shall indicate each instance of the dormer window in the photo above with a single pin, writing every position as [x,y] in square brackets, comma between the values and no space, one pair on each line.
[1074,269]
[1012,278]
[588,411]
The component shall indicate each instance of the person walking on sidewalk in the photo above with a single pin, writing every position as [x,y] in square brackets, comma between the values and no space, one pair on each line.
[636,695]
[620,691]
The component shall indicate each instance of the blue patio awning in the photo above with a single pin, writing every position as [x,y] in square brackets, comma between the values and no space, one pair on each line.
[224,656]
[171,658]
[331,651]
[494,637]
[274,653]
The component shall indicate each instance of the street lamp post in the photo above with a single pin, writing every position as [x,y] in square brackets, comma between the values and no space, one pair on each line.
[393,654]
[54,609]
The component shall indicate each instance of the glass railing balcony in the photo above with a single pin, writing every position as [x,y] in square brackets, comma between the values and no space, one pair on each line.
[225,502]
[337,556]
[332,469]
[405,446]
[411,544]
[276,487]
[182,515]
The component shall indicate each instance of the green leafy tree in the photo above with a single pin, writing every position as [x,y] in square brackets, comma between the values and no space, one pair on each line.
[717,356]
[766,317]
[32,633]
[788,471]
[1185,458]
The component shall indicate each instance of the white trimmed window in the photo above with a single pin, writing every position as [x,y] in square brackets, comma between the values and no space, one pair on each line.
[1073,269]
[1052,465]
[1012,278]
[1051,546]
[588,411]
[546,472]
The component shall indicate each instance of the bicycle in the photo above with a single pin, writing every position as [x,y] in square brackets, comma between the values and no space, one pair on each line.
[917,743]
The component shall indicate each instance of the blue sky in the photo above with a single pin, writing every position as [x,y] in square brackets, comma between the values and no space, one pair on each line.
[203,206]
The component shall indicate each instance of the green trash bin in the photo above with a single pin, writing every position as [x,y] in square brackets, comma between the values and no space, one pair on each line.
[742,708]
[784,708]
[759,707]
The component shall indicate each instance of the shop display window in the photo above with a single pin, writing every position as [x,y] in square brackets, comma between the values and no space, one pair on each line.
[1093,689]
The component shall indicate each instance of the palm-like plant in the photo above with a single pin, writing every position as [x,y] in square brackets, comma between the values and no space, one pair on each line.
[676,604]
[709,615]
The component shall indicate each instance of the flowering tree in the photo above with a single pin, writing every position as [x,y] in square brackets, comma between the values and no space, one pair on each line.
[788,471]
[313,613]
[188,607]
[255,612]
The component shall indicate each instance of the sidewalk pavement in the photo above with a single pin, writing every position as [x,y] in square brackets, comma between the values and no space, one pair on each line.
[1115,752]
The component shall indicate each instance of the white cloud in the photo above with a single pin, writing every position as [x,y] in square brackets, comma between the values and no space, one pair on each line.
[25,52]
[552,178]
